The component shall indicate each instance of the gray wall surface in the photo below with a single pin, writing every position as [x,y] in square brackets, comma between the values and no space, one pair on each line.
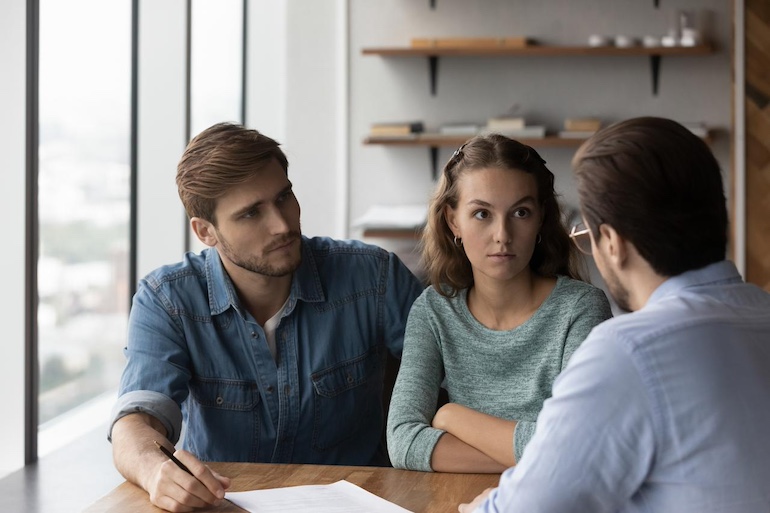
[546,89]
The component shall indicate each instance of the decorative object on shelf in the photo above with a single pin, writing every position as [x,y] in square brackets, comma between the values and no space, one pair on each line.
[650,41]
[598,40]
[624,41]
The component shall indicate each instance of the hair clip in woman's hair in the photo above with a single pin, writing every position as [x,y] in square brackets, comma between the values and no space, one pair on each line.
[458,154]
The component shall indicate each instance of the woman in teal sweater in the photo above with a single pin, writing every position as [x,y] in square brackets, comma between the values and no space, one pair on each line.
[505,310]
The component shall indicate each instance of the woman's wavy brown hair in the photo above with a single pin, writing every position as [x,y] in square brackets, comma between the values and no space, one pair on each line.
[445,262]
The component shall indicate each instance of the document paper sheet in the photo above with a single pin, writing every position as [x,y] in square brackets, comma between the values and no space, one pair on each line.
[339,497]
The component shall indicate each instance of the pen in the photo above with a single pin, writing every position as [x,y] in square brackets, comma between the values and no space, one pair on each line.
[172,457]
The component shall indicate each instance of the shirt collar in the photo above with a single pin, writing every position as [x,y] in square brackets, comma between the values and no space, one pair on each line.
[305,286]
[717,273]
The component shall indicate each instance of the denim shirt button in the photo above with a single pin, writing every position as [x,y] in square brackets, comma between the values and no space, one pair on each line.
[220,400]
[253,334]
[270,389]
[350,378]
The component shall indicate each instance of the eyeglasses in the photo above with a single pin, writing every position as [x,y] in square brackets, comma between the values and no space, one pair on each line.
[580,236]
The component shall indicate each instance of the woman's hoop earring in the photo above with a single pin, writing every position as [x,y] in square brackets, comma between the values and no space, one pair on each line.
[539,238]
[458,241]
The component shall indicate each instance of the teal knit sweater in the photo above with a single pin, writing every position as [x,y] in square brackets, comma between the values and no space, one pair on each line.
[508,374]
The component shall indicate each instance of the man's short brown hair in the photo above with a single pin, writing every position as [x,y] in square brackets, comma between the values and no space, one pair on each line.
[659,186]
[219,158]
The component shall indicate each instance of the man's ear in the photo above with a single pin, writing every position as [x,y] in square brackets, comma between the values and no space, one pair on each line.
[614,245]
[205,231]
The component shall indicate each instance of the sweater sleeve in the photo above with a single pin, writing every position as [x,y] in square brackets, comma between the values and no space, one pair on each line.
[589,309]
[410,437]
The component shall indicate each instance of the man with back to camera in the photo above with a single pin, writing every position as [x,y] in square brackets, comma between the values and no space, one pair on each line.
[269,344]
[666,408]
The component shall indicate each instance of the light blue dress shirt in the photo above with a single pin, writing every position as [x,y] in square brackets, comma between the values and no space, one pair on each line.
[663,410]
[195,353]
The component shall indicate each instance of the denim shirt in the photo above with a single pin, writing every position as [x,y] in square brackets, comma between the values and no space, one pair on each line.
[195,354]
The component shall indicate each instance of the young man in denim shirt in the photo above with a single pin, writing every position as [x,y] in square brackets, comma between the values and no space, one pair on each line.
[665,409]
[270,345]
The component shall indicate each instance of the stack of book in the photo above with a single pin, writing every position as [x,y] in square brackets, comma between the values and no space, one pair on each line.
[402,129]
[514,127]
[467,129]
[580,128]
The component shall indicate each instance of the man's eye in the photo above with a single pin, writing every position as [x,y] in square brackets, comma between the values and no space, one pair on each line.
[249,213]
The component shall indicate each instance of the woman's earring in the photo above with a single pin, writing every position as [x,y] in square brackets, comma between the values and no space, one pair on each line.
[458,241]
[539,238]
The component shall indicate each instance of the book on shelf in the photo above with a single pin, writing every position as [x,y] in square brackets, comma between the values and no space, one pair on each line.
[393,217]
[582,124]
[397,129]
[527,132]
[576,134]
[505,123]
[459,129]
[471,42]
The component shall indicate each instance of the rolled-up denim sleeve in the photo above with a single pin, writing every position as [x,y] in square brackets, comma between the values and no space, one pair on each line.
[153,403]
[157,372]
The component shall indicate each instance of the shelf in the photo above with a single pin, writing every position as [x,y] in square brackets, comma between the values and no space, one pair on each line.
[654,53]
[436,141]
[441,141]
[393,233]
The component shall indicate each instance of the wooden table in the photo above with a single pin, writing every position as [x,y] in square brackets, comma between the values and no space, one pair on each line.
[421,492]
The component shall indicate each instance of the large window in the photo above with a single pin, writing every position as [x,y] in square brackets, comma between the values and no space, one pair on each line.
[216,68]
[83,201]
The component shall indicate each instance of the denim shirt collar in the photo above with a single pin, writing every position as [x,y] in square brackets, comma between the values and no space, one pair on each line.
[305,286]
[718,272]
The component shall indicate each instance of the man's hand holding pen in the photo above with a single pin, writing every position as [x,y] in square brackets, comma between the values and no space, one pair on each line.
[184,483]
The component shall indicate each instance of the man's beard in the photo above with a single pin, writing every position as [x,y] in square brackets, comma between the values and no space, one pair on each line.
[618,292]
[260,266]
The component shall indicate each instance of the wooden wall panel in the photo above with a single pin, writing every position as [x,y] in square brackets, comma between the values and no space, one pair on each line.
[757,44]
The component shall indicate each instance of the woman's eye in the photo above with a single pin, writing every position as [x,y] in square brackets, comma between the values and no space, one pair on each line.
[521,213]
[481,214]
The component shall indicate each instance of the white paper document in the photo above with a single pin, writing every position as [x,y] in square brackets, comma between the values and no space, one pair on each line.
[339,497]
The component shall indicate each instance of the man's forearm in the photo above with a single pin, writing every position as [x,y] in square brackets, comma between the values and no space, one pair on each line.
[133,450]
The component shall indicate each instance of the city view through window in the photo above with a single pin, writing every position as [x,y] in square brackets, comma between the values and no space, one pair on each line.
[83,200]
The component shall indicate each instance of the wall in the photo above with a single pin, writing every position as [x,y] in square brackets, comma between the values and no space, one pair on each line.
[547,89]
[12,182]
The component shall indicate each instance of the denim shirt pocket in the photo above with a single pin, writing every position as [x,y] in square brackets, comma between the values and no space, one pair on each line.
[229,411]
[347,399]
